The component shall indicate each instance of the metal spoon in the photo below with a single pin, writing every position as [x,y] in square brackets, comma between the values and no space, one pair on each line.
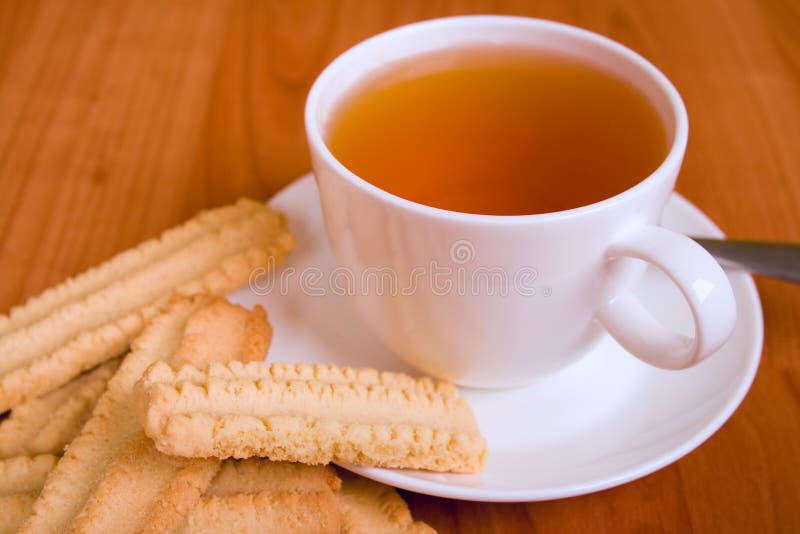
[779,260]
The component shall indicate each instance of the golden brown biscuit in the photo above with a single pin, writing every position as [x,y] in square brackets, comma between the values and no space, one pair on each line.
[223,332]
[367,506]
[312,414]
[257,495]
[82,285]
[285,512]
[25,474]
[145,490]
[94,317]
[47,424]
[98,471]
[21,479]
[14,509]
[177,501]
[256,475]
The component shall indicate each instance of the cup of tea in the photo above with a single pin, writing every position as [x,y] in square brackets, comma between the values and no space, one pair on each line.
[493,186]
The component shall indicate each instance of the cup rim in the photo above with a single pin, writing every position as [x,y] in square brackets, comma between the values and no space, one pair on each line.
[672,160]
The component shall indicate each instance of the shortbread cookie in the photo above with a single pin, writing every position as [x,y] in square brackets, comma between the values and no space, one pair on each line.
[256,475]
[367,507]
[82,285]
[87,478]
[21,479]
[223,332]
[24,474]
[14,509]
[47,424]
[169,512]
[312,414]
[109,430]
[94,317]
[257,495]
[144,490]
[313,512]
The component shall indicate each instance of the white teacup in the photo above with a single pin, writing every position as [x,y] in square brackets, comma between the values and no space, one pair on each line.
[566,273]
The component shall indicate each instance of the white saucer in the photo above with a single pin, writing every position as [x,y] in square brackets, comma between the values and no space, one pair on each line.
[604,421]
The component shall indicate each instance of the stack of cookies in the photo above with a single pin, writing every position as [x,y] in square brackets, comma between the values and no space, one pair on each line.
[140,402]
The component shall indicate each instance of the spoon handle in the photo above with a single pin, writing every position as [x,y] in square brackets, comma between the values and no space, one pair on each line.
[779,260]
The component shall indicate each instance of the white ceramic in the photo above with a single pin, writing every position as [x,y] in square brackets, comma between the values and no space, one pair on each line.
[527,295]
[601,422]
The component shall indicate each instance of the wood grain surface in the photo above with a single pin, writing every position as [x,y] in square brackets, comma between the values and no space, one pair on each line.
[121,118]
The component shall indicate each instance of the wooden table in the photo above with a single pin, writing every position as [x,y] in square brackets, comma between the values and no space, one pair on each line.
[120,119]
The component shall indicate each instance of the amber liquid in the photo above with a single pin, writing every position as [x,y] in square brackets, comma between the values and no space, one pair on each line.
[503,133]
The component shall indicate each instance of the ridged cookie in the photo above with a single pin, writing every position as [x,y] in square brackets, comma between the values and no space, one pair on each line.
[313,512]
[367,507]
[47,424]
[98,472]
[257,495]
[312,414]
[94,317]
[256,475]
[21,479]
[145,491]
[24,474]
[80,286]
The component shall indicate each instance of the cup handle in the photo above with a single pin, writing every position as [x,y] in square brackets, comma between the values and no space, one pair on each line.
[703,284]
